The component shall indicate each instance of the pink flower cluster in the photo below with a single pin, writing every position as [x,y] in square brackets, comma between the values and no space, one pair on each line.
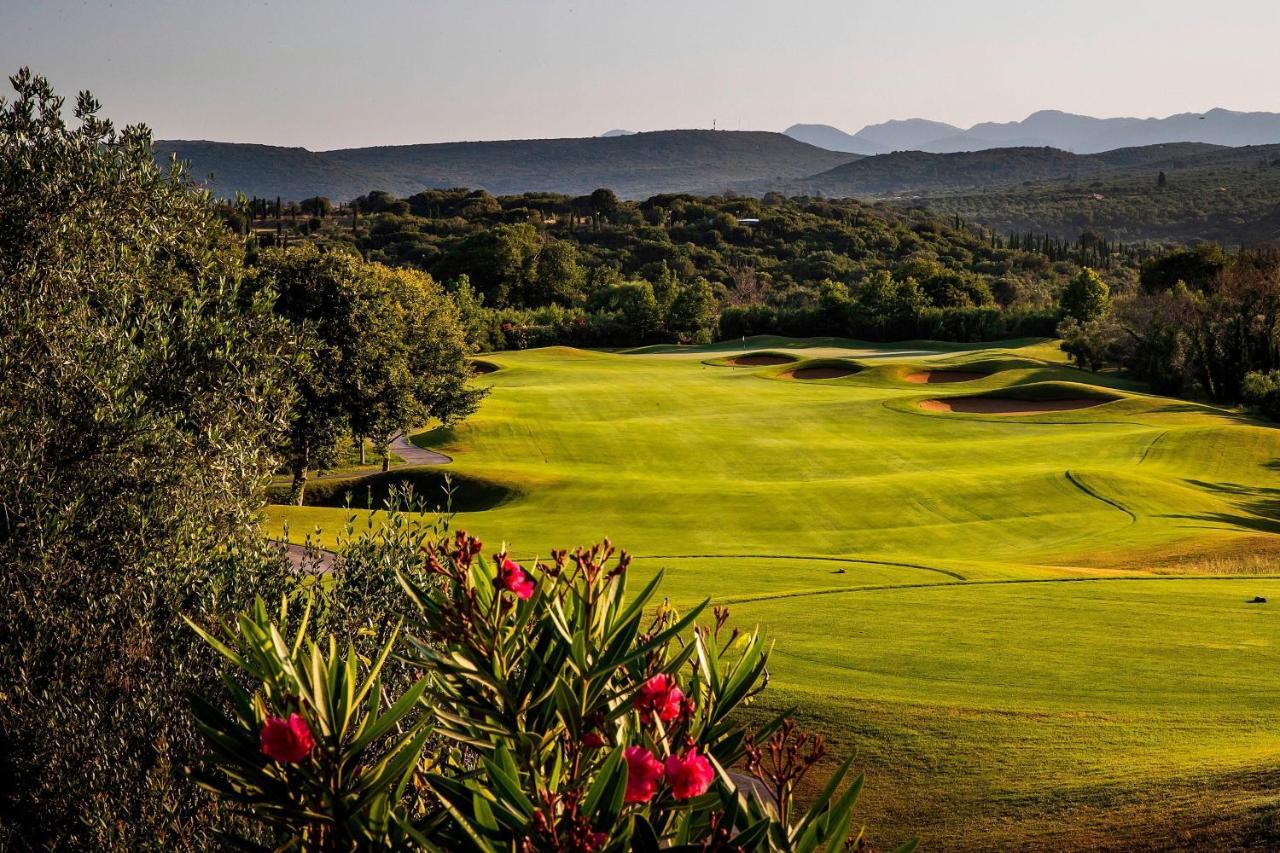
[688,775]
[662,696]
[287,741]
[514,579]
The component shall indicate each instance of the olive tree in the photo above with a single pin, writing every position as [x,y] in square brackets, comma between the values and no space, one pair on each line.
[141,386]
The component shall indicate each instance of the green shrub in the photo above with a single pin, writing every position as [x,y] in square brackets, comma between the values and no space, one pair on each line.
[1086,297]
[1090,344]
[140,386]
[1262,391]
[567,716]
[315,753]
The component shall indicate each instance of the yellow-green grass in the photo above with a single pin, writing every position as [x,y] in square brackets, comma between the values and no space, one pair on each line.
[1001,614]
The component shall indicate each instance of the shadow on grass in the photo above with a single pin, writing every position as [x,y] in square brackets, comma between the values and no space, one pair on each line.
[370,491]
[1259,506]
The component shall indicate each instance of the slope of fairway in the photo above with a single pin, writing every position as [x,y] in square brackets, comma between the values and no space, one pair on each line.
[1001,613]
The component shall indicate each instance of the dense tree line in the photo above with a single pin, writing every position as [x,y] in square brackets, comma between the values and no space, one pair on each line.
[593,270]
[1201,324]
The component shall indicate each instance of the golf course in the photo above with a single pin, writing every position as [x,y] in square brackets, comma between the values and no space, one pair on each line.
[1022,593]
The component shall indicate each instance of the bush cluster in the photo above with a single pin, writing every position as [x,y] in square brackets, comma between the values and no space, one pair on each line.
[537,708]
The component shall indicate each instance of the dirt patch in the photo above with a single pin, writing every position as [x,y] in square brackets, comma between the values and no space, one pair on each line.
[943,377]
[1007,406]
[763,360]
[480,368]
[829,372]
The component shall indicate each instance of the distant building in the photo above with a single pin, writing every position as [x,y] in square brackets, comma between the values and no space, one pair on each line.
[748,221]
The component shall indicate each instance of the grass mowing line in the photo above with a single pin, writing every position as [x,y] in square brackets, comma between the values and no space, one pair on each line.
[999,582]
[1150,446]
[1133,519]
[850,560]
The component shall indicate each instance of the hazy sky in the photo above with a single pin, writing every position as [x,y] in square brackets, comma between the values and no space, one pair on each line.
[338,73]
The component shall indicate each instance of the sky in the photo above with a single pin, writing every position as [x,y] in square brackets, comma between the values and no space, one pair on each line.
[329,74]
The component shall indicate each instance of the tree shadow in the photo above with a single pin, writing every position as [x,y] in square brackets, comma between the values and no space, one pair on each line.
[1178,407]
[1259,506]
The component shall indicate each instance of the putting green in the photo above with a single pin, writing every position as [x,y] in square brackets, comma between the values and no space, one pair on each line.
[1033,628]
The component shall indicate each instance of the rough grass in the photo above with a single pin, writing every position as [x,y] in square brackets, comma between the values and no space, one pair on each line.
[1033,631]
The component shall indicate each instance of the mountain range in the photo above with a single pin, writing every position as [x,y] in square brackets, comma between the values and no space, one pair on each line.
[1048,128]
[635,165]
[639,165]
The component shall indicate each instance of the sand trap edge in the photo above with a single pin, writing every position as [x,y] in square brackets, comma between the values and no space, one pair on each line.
[1008,406]
[821,372]
[943,376]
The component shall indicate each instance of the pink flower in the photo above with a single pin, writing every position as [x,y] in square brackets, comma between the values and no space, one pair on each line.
[287,741]
[689,775]
[660,694]
[593,740]
[644,772]
[514,579]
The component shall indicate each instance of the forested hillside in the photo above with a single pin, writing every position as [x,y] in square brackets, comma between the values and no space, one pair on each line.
[635,166]
[1232,203]
[916,172]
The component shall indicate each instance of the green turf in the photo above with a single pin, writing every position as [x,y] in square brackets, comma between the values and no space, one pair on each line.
[1001,614]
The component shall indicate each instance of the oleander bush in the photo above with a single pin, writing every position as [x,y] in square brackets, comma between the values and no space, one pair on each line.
[548,710]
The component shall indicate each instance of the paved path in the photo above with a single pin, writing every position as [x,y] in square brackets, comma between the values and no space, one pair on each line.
[411,453]
[297,555]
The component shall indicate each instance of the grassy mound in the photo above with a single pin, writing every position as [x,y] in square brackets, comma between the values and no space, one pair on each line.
[754,359]
[943,376]
[469,493]
[821,369]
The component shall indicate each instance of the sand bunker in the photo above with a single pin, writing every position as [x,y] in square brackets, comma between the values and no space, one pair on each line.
[1007,406]
[942,377]
[762,360]
[480,368]
[828,372]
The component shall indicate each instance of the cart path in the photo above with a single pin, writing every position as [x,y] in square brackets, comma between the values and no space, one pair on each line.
[401,446]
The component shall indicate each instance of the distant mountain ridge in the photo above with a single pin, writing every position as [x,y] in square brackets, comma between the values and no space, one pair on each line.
[699,162]
[922,172]
[1052,129]
[897,135]
[634,165]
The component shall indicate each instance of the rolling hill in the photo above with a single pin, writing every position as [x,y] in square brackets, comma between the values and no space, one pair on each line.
[266,170]
[919,172]
[635,166]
